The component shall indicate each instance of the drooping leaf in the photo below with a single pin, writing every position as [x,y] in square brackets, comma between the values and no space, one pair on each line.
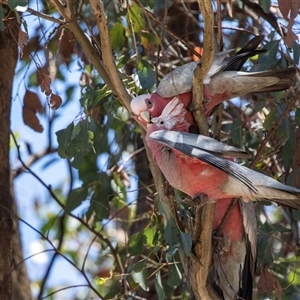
[32,101]
[30,119]
[146,78]
[296,214]
[236,132]
[64,137]
[135,244]
[75,198]
[44,81]
[55,101]
[296,52]
[14,3]
[135,18]
[159,287]
[140,274]
[150,233]
[2,14]
[297,117]
[175,276]
[187,242]
[172,234]
[99,205]
[265,5]
[117,36]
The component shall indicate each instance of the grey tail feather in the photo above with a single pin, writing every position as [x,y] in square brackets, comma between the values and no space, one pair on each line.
[291,203]
[286,77]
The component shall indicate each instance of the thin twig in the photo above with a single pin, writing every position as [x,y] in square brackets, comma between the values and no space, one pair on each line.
[272,131]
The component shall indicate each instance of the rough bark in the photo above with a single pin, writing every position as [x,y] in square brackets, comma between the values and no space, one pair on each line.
[8,60]
[20,281]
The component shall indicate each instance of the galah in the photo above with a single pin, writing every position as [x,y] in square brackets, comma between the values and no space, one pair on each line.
[234,260]
[233,263]
[196,165]
[224,81]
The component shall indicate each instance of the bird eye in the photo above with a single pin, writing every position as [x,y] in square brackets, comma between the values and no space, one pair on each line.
[161,122]
[149,103]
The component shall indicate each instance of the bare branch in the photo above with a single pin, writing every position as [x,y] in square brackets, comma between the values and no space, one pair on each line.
[198,274]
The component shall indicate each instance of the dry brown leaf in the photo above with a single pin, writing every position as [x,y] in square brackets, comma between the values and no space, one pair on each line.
[284,7]
[66,46]
[55,101]
[32,101]
[30,119]
[266,282]
[289,10]
[278,289]
[44,81]
[22,40]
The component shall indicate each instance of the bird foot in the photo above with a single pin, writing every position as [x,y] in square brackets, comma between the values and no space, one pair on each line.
[198,200]
[221,243]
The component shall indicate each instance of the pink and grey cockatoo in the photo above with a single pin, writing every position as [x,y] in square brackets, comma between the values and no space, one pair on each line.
[233,265]
[195,164]
[223,82]
[234,259]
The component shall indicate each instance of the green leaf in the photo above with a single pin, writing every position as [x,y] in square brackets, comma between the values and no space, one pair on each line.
[296,53]
[286,151]
[149,234]
[172,234]
[236,132]
[187,242]
[2,13]
[147,78]
[140,274]
[117,36]
[265,5]
[175,275]
[14,3]
[150,37]
[281,228]
[135,18]
[64,138]
[135,244]
[100,200]
[140,265]
[297,117]
[296,214]
[92,97]
[159,287]
[75,198]
[270,119]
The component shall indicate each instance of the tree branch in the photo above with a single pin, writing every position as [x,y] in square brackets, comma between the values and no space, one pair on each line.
[107,54]
[81,37]
[198,274]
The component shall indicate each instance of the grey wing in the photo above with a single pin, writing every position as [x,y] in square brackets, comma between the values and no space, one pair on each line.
[178,81]
[241,182]
[199,142]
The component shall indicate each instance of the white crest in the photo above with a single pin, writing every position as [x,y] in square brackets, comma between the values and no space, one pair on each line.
[173,116]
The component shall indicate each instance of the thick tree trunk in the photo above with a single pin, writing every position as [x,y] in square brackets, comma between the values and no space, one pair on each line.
[8,231]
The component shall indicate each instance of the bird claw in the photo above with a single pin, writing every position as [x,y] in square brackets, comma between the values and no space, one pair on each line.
[198,200]
[221,244]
